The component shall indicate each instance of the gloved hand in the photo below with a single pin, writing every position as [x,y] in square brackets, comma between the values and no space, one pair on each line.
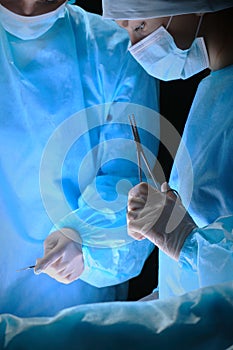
[63,258]
[158,216]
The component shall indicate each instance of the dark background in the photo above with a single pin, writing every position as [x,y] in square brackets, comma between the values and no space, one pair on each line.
[175,101]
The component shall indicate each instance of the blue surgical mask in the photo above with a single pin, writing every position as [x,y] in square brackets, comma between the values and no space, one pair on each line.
[29,27]
[161,58]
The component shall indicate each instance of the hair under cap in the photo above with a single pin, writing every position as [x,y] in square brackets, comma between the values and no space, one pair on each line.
[140,9]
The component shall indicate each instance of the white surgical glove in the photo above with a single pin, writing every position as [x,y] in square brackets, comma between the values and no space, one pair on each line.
[63,258]
[160,217]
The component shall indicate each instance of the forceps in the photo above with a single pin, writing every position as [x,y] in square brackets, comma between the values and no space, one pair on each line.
[140,152]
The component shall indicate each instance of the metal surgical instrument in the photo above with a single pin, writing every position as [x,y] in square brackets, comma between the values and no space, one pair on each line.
[140,152]
[26,268]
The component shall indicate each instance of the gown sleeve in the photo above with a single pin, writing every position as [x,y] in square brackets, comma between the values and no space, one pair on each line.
[110,255]
[209,252]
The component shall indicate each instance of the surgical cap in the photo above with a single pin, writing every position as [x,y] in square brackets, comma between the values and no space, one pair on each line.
[140,9]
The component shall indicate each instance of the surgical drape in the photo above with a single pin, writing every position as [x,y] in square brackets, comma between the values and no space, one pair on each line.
[200,320]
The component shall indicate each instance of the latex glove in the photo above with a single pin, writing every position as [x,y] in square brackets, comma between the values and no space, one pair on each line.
[63,258]
[158,216]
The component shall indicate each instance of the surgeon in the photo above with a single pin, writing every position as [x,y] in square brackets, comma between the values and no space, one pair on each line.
[176,39]
[68,159]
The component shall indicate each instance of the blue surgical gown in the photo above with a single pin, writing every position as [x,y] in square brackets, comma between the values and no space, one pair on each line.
[56,154]
[206,186]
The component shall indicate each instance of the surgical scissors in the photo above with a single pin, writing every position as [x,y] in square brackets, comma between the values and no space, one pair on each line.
[140,152]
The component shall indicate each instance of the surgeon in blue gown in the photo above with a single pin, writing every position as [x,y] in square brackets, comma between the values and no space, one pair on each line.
[175,40]
[67,159]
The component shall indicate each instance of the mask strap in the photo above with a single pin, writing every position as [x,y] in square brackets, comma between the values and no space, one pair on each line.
[169,22]
[199,25]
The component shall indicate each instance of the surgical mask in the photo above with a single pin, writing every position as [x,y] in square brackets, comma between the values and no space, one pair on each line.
[161,58]
[29,27]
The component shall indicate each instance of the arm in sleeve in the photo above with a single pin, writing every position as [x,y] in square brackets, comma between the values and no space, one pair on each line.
[209,252]
[110,255]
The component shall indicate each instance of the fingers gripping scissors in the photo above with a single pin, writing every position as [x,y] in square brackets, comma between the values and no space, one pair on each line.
[140,152]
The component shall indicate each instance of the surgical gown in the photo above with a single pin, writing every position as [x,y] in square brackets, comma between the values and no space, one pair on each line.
[206,189]
[51,165]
